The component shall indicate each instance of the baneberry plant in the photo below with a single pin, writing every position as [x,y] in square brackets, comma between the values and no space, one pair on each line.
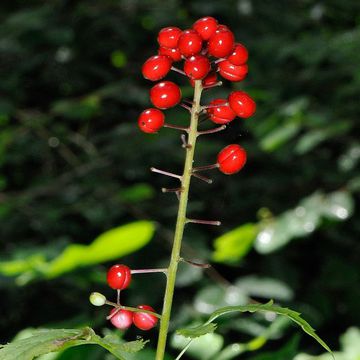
[209,52]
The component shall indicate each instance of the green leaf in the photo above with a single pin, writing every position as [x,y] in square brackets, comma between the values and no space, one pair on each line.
[268,307]
[235,244]
[279,136]
[197,331]
[110,245]
[45,341]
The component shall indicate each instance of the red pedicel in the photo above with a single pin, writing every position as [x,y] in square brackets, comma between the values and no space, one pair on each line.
[232,72]
[165,94]
[239,56]
[122,319]
[168,37]
[242,104]
[210,80]
[231,159]
[190,43]
[174,53]
[206,27]
[156,67]
[144,321]
[221,114]
[221,44]
[197,67]
[119,277]
[151,120]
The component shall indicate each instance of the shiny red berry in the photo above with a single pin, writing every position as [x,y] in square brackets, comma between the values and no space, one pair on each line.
[197,67]
[231,159]
[144,321]
[190,43]
[206,27]
[221,114]
[122,319]
[221,44]
[232,72]
[209,80]
[156,67]
[239,56]
[119,277]
[242,104]
[151,120]
[168,37]
[174,53]
[165,94]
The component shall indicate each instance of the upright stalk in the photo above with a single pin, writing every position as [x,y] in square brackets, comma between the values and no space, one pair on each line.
[180,223]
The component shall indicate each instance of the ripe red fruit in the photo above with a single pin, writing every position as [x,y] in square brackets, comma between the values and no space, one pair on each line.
[168,37]
[231,159]
[242,104]
[221,43]
[239,56]
[122,319]
[209,80]
[221,114]
[190,43]
[232,72]
[165,94]
[197,67]
[119,277]
[174,53]
[206,27]
[156,67]
[151,120]
[144,321]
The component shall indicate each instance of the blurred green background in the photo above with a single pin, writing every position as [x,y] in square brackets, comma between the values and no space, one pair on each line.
[74,165]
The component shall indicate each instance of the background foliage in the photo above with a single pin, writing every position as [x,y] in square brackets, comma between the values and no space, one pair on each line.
[74,165]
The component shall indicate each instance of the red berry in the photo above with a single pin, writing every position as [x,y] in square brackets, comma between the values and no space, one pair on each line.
[221,43]
[151,120]
[156,67]
[168,37]
[190,43]
[232,72]
[221,114]
[174,53]
[239,56]
[122,319]
[209,80]
[206,27]
[119,277]
[165,94]
[231,159]
[242,104]
[144,321]
[197,67]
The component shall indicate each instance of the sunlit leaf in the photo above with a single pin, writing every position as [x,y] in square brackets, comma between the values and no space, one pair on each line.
[235,244]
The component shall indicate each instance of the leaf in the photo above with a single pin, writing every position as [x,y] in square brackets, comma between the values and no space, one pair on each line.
[110,245]
[268,307]
[197,331]
[45,341]
[279,136]
[235,244]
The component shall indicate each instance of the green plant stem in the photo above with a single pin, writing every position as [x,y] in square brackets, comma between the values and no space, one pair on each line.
[180,223]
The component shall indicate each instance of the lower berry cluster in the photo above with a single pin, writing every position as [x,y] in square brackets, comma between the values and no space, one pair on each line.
[119,278]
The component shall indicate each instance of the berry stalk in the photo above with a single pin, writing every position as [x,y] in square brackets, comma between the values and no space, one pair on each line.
[180,223]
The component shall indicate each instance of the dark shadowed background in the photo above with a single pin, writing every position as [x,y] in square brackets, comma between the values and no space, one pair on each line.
[74,165]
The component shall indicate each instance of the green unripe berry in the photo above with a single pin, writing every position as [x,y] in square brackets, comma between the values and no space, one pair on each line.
[97,299]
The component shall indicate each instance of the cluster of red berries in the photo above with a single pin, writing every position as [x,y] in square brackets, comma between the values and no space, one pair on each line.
[119,278]
[207,49]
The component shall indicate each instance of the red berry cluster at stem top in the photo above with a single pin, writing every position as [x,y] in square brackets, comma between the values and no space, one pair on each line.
[208,49]
[119,278]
